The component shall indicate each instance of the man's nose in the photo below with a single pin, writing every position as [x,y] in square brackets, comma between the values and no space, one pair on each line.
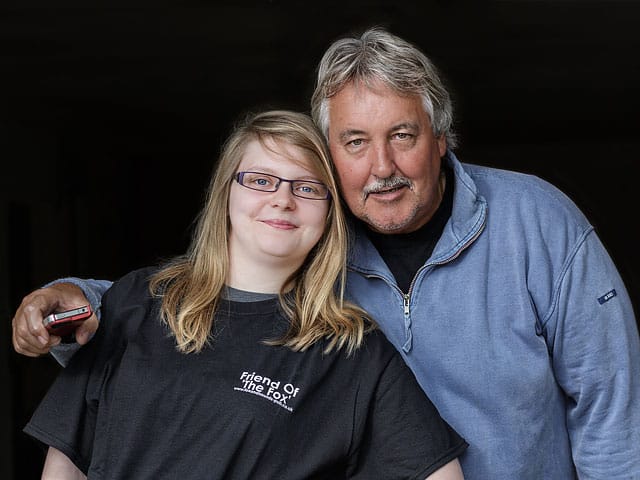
[382,162]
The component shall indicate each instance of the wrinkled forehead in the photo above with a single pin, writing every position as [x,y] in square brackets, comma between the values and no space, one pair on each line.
[363,105]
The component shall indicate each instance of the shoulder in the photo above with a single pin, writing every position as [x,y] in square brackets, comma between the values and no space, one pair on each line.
[524,194]
[489,179]
[133,285]
[128,304]
[138,277]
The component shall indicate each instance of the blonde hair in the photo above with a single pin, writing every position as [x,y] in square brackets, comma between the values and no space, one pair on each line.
[191,285]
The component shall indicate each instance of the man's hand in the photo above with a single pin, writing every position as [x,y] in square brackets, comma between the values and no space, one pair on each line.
[30,338]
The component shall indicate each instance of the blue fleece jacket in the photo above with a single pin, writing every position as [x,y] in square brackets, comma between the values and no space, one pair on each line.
[520,330]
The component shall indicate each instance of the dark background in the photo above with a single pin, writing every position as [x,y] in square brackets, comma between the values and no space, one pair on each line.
[111,116]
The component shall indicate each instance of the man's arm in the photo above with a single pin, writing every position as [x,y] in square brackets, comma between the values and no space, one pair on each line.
[30,338]
[596,357]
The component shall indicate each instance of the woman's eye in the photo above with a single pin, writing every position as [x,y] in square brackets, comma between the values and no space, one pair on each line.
[308,188]
[262,181]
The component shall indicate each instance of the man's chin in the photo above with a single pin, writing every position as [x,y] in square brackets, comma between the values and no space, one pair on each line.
[387,226]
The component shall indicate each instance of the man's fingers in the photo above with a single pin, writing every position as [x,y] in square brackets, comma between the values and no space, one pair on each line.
[29,335]
[86,330]
[30,346]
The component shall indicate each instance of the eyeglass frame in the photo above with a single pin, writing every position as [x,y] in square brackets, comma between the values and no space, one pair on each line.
[239,177]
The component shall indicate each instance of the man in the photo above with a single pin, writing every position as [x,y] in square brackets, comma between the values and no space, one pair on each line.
[492,284]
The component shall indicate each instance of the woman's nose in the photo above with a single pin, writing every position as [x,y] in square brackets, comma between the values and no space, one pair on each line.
[283,197]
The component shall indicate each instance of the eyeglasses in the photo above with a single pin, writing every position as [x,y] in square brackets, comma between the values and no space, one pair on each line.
[270,183]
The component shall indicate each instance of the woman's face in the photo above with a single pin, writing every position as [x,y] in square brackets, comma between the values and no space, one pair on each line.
[275,229]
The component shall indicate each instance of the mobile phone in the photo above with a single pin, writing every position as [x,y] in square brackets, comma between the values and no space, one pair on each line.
[65,323]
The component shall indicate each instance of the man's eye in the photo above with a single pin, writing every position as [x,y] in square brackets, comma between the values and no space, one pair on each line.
[402,135]
[355,143]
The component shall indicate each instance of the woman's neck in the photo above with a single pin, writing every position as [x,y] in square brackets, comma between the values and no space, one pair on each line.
[258,278]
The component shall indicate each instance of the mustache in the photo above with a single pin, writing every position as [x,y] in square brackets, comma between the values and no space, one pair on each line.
[382,184]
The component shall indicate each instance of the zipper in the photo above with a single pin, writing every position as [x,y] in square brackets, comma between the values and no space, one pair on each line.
[406,297]
[406,304]
[408,335]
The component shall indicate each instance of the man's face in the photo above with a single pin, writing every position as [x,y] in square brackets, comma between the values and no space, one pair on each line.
[387,157]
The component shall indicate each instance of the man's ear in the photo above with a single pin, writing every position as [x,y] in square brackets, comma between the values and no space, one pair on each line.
[442,145]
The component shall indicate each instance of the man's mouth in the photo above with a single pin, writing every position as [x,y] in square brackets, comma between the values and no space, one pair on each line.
[387,190]
[384,192]
[386,186]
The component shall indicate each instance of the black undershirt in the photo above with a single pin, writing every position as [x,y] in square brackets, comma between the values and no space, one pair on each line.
[405,253]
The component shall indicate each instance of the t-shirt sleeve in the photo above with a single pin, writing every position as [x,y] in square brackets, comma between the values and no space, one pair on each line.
[405,437]
[67,417]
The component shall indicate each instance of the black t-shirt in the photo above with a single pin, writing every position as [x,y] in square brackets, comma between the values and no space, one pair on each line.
[129,406]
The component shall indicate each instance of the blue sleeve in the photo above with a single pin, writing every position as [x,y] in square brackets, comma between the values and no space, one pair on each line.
[93,290]
[595,345]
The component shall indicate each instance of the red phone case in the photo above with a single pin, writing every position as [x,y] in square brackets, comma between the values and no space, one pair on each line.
[63,324]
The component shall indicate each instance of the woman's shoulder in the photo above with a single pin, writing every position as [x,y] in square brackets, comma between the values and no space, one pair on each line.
[128,304]
[133,285]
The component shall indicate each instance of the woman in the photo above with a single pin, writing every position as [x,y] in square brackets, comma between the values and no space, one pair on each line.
[240,359]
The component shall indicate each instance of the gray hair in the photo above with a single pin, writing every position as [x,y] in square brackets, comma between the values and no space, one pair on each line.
[377,55]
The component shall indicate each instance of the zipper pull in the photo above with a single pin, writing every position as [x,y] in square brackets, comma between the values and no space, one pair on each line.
[408,343]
